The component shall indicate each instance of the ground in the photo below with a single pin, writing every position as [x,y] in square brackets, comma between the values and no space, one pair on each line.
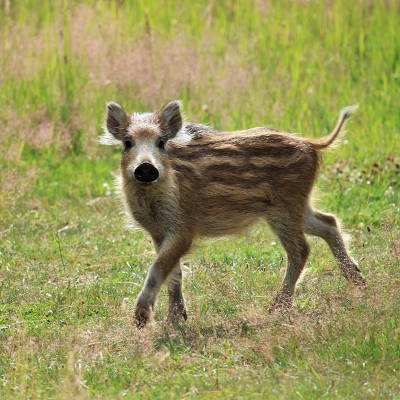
[70,270]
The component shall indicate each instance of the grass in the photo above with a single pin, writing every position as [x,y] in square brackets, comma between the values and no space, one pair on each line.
[70,271]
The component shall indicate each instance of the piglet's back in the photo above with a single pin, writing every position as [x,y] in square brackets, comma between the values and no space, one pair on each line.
[228,179]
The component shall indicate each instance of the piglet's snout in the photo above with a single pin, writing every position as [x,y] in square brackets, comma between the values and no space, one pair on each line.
[146,173]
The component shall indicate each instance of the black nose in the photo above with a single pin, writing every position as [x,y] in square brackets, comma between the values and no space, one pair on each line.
[146,173]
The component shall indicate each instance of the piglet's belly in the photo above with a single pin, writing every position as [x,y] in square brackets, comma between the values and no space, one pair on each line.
[226,224]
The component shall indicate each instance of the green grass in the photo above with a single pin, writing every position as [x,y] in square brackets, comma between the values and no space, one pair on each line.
[70,271]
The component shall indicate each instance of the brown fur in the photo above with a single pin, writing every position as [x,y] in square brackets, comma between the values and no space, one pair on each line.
[221,183]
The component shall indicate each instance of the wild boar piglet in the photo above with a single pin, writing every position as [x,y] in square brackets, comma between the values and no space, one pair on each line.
[182,181]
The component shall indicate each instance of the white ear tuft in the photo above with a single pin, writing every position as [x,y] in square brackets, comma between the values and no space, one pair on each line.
[108,139]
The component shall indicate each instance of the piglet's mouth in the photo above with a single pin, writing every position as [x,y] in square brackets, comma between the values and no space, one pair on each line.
[145,184]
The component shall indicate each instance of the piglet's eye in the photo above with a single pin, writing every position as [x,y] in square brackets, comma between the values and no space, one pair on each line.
[161,144]
[128,144]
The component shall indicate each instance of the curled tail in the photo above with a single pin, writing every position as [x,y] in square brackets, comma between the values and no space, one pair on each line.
[325,142]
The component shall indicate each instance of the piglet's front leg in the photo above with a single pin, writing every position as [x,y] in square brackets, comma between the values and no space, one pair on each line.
[170,252]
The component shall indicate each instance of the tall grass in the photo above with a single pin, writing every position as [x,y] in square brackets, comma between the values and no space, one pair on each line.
[289,64]
[69,272]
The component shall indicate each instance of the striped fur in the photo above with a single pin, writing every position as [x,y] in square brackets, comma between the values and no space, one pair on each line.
[218,183]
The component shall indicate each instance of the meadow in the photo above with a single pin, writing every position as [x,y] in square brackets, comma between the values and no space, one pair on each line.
[70,270]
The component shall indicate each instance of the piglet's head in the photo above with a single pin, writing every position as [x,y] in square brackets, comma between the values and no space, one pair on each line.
[144,138]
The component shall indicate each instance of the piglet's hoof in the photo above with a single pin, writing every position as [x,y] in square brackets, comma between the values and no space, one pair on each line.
[283,302]
[353,274]
[177,313]
[360,282]
[142,315]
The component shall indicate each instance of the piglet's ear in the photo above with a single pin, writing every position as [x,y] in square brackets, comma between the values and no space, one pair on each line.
[170,119]
[117,120]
